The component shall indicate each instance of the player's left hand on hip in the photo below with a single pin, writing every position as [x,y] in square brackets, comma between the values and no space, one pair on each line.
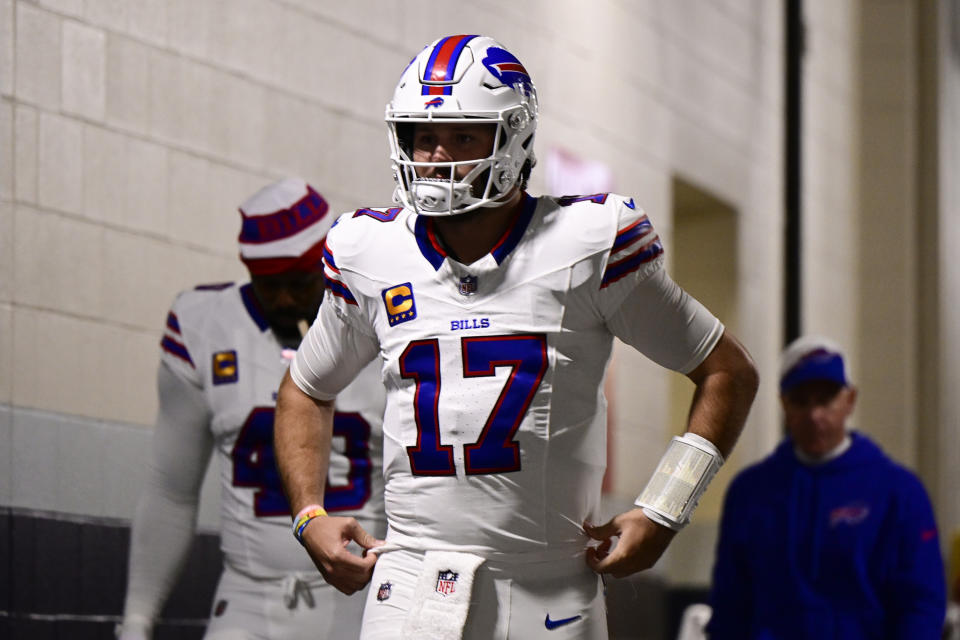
[640,544]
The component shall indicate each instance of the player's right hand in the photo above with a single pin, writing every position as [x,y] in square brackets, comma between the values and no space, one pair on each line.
[326,539]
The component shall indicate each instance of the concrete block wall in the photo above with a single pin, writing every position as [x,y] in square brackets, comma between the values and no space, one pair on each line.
[891,221]
[710,111]
[131,129]
[137,127]
[129,132]
[704,103]
[829,235]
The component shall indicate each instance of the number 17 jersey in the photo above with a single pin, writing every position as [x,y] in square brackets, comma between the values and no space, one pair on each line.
[494,432]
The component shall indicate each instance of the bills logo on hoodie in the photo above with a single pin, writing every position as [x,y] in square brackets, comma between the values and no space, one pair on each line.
[851,514]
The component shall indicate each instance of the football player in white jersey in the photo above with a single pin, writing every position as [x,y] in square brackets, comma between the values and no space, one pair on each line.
[492,314]
[225,350]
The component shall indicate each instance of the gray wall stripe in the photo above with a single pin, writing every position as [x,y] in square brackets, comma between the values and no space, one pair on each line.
[71,464]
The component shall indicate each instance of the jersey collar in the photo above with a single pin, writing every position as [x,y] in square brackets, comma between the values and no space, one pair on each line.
[253,307]
[432,249]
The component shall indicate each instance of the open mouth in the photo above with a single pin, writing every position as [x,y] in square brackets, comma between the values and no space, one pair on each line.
[437,175]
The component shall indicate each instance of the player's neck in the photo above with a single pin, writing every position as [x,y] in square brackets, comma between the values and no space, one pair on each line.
[470,236]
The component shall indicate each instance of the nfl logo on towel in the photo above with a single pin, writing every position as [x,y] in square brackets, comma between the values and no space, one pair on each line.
[468,285]
[447,582]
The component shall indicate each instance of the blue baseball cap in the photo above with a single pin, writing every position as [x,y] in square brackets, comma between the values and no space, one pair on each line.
[811,358]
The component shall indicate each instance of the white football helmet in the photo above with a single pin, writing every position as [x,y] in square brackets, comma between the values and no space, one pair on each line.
[464,78]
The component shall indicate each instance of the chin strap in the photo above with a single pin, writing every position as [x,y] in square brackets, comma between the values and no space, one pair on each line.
[681,478]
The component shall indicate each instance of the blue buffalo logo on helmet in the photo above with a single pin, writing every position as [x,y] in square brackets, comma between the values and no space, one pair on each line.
[507,69]
[436,102]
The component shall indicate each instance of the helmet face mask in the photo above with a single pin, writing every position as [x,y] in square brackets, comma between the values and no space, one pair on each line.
[466,80]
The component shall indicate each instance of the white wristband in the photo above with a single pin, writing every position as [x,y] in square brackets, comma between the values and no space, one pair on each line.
[681,478]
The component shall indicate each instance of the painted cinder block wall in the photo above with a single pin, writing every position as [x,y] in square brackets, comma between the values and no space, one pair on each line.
[130,130]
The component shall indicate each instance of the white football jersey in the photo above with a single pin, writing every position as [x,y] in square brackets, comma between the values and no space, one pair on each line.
[218,339]
[494,433]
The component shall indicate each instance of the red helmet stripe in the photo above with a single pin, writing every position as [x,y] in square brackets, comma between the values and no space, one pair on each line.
[512,66]
[443,61]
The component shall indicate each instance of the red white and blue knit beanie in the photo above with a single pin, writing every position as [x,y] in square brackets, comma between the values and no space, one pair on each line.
[284,227]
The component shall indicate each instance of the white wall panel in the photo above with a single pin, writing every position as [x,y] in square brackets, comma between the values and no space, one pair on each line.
[201,103]
[147,20]
[37,67]
[110,14]
[83,82]
[58,262]
[60,163]
[6,359]
[6,150]
[105,162]
[127,101]
[190,26]
[6,47]
[67,7]
[25,153]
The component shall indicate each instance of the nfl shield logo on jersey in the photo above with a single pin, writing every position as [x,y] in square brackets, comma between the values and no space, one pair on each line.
[468,285]
[383,593]
[447,582]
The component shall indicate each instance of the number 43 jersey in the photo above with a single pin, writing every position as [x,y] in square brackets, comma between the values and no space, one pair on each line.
[219,341]
[494,433]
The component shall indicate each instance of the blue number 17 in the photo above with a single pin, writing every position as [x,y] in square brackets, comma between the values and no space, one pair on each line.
[495,450]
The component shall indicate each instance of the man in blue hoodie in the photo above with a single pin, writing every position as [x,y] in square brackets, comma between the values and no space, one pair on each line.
[827,537]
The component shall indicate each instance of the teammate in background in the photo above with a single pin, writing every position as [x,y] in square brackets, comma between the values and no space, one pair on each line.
[827,537]
[493,314]
[224,352]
